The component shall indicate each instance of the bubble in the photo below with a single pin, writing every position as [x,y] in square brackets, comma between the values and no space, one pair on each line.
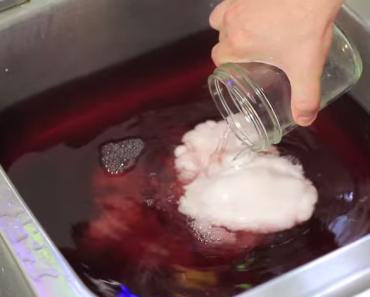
[119,157]
[150,202]
[206,233]
[293,159]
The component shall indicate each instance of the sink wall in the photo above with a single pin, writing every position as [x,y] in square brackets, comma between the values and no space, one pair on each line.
[47,42]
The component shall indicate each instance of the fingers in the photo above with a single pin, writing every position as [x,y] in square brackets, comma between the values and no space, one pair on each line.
[219,55]
[222,54]
[236,48]
[217,15]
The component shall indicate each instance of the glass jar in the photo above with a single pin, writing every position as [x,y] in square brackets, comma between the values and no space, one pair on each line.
[255,98]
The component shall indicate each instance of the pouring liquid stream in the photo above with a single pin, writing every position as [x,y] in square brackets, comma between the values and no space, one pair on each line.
[240,157]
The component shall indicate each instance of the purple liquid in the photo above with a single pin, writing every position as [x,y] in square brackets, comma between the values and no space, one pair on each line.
[123,231]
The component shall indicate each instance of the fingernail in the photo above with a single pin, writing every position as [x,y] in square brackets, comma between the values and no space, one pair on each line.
[305,120]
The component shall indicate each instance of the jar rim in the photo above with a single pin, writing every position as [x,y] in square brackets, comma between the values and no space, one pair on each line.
[220,78]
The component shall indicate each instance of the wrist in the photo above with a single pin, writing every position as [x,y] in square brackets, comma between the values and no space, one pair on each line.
[329,8]
[317,8]
[332,7]
[317,15]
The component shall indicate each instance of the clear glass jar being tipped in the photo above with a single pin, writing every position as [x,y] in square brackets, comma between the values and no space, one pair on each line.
[255,98]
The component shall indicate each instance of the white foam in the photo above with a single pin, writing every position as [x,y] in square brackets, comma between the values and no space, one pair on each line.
[260,193]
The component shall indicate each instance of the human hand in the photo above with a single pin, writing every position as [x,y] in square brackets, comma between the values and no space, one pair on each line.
[292,35]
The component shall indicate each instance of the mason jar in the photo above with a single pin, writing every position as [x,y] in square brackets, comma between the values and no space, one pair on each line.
[255,98]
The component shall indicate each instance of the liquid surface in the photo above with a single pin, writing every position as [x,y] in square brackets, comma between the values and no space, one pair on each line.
[122,233]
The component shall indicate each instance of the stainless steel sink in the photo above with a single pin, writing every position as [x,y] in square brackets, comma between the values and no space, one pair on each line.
[6,4]
[45,43]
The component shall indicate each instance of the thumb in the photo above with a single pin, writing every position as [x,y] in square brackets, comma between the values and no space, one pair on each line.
[306,95]
[305,74]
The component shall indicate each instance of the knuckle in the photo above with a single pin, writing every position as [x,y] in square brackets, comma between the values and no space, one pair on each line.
[213,20]
[217,15]
[230,14]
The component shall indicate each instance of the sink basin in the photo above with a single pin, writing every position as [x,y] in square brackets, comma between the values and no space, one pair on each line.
[73,70]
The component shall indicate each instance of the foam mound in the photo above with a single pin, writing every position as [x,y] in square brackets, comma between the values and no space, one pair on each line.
[256,192]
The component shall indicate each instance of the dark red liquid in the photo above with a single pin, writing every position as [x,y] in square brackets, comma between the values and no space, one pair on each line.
[125,229]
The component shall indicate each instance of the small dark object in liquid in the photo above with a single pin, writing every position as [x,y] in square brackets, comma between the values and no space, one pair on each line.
[120,157]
